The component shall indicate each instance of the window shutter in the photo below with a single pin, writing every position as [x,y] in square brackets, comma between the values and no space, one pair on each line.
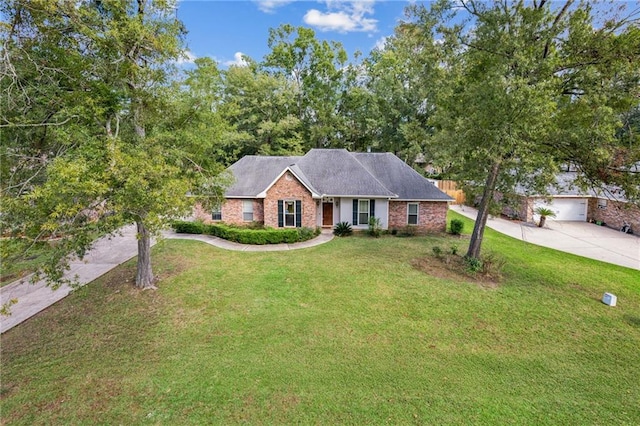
[280,213]
[298,213]
[355,212]
[372,208]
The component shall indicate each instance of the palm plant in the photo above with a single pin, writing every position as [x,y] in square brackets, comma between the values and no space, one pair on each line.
[544,212]
[342,229]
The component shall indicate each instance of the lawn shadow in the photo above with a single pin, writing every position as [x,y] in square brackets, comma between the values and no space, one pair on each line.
[632,320]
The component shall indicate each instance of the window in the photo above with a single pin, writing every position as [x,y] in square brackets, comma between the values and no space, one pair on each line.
[289,213]
[247,210]
[216,214]
[412,213]
[363,212]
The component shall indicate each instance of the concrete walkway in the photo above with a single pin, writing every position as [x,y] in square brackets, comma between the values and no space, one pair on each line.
[106,254]
[580,238]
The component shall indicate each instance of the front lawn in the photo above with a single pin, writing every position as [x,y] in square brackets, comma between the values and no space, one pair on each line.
[346,332]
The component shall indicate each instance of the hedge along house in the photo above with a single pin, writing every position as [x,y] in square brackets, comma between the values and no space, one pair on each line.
[327,186]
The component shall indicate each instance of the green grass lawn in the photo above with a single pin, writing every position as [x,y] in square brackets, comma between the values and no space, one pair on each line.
[348,332]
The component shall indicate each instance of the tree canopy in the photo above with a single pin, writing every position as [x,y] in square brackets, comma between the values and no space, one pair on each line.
[86,146]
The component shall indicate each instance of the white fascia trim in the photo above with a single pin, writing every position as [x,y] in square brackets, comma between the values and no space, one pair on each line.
[263,194]
[375,197]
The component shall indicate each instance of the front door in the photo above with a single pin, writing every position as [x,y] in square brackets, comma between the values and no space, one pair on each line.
[327,214]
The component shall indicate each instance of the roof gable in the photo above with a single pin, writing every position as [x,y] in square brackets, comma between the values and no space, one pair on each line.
[253,174]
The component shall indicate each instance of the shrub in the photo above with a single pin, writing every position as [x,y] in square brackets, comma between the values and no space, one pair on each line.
[407,231]
[342,229]
[375,227]
[254,236]
[454,249]
[456,226]
[305,234]
[492,264]
[394,232]
[437,251]
[184,227]
[473,264]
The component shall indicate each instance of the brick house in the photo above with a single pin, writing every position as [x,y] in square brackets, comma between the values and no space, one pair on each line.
[571,203]
[327,186]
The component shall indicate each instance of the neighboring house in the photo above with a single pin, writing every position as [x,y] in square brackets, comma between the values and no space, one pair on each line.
[571,203]
[327,186]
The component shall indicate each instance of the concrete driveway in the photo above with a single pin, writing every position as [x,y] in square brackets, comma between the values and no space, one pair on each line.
[580,238]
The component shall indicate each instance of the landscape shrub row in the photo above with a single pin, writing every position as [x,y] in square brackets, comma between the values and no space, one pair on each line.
[246,235]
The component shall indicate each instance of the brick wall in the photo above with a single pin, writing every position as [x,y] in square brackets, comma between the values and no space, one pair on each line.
[615,214]
[289,188]
[432,216]
[231,212]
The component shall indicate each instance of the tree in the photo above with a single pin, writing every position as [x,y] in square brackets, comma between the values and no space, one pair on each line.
[524,88]
[315,69]
[262,110]
[398,77]
[89,149]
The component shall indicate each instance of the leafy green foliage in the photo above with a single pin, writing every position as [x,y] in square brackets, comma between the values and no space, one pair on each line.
[342,229]
[473,264]
[456,226]
[96,135]
[248,234]
[522,89]
[375,227]
[188,227]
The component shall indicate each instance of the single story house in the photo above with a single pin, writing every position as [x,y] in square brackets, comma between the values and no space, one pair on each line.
[571,203]
[327,186]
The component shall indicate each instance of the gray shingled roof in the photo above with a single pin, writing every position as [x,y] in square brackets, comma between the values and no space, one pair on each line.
[254,173]
[336,173]
[399,178]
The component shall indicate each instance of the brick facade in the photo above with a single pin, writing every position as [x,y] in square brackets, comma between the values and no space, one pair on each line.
[232,212]
[432,216]
[288,187]
[614,214]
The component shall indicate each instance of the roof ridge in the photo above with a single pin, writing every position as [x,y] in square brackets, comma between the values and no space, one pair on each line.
[369,171]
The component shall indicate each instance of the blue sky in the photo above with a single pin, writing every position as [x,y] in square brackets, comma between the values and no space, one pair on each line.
[223,29]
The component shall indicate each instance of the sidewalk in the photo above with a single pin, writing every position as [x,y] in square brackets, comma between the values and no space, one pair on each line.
[106,254]
[579,238]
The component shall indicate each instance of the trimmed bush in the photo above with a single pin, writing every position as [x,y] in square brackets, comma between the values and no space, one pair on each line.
[249,235]
[255,236]
[456,226]
[183,227]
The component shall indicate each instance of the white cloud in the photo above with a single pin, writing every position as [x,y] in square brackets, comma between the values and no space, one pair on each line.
[343,16]
[381,43]
[269,6]
[238,60]
[187,57]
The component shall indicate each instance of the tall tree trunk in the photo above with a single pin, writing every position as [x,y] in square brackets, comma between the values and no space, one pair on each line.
[144,273]
[483,211]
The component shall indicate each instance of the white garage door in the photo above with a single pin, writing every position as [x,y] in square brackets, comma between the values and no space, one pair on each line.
[574,209]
